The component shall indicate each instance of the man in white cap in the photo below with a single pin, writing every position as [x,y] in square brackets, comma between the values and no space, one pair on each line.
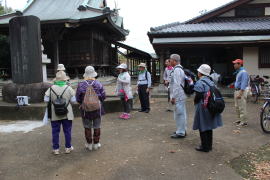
[178,97]
[144,84]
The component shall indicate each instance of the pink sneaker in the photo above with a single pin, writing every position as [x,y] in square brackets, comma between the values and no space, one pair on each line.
[127,116]
[122,116]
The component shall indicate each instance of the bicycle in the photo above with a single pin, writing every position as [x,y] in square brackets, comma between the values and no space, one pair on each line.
[255,88]
[265,110]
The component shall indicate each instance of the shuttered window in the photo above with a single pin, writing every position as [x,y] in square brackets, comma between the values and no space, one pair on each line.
[264,57]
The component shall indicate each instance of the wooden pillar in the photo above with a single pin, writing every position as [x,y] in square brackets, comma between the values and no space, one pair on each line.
[55,54]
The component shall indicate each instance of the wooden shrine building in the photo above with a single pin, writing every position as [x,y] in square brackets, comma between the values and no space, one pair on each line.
[76,33]
[239,29]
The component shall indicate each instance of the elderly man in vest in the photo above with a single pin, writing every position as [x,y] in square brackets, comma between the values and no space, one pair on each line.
[241,91]
[144,85]
[178,97]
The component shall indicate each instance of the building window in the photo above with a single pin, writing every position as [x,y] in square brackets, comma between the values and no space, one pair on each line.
[264,57]
[250,12]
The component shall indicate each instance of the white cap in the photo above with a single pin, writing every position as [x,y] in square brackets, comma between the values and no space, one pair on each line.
[61,67]
[90,72]
[122,66]
[205,69]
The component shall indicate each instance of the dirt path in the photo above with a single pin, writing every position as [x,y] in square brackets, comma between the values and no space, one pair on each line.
[138,149]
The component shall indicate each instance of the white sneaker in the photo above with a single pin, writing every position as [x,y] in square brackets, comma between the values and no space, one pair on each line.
[96,146]
[56,152]
[68,150]
[89,146]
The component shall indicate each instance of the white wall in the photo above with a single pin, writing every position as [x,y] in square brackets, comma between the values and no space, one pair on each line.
[251,62]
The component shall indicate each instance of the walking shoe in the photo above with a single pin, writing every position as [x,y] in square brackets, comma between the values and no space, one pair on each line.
[126,117]
[89,146]
[169,110]
[122,116]
[237,122]
[96,146]
[201,149]
[56,152]
[177,136]
[68,150]
[243,124]
[147,111]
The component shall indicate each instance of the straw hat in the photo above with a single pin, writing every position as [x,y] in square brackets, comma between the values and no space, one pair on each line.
[61,76]
[122,66]
[142,65]
[90,72]
[205,69]
[61,67]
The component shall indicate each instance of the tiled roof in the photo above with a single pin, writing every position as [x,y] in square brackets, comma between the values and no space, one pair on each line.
[65,11]
[218,25]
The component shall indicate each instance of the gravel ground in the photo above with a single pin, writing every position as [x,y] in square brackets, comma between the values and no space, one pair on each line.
[137,149]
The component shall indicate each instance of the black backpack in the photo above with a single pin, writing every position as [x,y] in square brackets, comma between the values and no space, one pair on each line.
[189,81]
[216,103]
[59,104]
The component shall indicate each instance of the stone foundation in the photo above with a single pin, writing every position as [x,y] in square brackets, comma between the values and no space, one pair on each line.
[35,91]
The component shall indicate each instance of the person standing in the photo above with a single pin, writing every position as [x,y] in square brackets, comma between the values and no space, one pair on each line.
[204,121]
[91,120]
[124,91]
[241,92]
[144,85]
[62,90]
[167,79]
[178,97]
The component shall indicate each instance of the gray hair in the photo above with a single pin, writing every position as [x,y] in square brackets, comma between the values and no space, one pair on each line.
[176,57]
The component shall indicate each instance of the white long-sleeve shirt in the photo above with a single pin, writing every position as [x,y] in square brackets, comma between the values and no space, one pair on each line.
[124,82]
[167,74]
[178,79]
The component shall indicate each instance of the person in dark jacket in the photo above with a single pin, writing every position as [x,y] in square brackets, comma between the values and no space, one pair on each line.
[204,121]
[91,120]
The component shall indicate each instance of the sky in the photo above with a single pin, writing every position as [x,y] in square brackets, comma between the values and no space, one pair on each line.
[141,15]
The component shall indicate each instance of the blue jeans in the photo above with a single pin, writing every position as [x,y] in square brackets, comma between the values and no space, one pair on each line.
[56,127]
[180,116]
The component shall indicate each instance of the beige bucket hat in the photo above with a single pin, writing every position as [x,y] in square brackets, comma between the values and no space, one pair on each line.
[61,76]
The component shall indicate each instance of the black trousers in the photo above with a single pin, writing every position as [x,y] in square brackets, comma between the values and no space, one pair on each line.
[144,97]
[207,139]
[127,105]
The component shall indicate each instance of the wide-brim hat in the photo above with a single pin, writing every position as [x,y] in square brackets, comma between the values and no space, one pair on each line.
[204,69]
[61,67]
[90,72]
[61,76]
[122,66]
[142,65]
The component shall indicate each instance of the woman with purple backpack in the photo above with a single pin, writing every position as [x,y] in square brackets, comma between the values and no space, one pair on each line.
[91,119]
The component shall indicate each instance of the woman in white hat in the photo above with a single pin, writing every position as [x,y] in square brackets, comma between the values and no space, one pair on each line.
[91,120]
[203,120]
[65,117]
[124,90]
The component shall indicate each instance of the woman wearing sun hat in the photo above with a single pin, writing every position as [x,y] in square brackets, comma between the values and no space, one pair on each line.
[59,88]
[91,120]
[203,120]
[124,90]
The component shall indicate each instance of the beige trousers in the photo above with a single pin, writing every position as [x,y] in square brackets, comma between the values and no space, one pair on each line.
[241,106]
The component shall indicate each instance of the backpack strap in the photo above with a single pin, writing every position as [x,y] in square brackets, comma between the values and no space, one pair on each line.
[64,92]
